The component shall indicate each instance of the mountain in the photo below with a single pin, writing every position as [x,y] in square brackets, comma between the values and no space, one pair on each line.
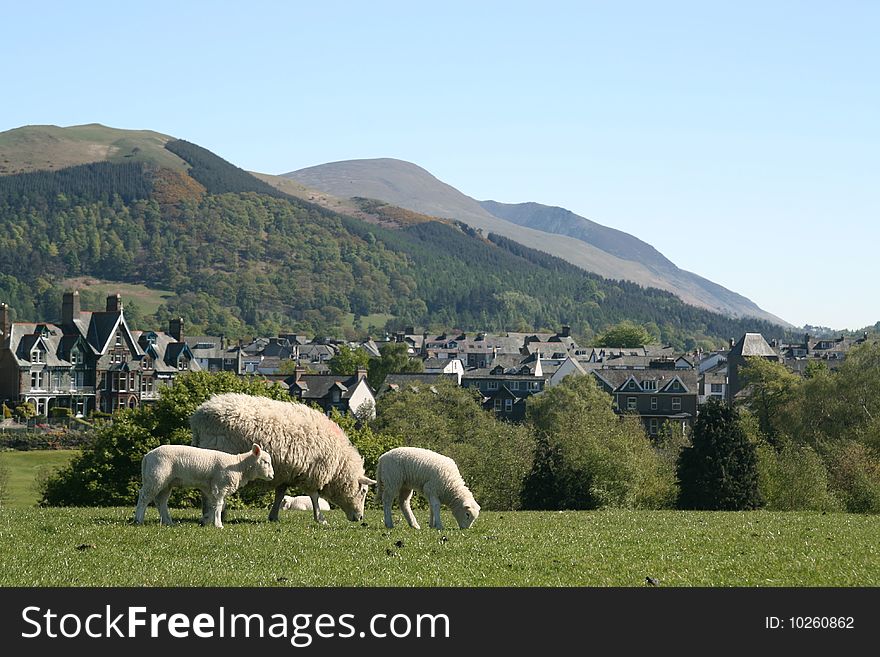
[605,251]
[235,255]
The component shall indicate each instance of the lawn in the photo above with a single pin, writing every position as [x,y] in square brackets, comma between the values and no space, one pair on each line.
[100,547]
[24,468]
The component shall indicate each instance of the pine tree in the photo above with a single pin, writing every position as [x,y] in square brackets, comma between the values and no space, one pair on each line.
[720,471]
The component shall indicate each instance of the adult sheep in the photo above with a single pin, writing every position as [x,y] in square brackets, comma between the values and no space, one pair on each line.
[309,451]
[404,469]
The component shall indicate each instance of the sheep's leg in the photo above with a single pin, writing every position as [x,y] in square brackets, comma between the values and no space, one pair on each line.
[218,499]
[280,492]
[207,511]
[162,504]
[403,500]
[387,501]
[144,499]
[316,508]
[435,512]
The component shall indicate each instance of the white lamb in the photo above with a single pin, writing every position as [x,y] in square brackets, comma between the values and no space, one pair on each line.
[303,503]
[404,469]
[217,474]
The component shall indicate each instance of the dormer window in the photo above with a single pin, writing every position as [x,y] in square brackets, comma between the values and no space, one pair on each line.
[118,339]
[182,364]
[76,357]
[38,356]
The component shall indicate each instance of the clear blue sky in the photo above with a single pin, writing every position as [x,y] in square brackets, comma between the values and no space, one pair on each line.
[740,139]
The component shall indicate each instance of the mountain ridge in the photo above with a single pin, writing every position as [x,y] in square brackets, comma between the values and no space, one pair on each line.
[410,186]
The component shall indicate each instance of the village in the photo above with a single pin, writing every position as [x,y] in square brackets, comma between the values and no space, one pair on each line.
[94,362]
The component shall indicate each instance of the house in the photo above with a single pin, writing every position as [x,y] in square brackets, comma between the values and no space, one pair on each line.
[750,345]
[656,395]
[89,361]
[507,383]
[345,393]
[414,380]
[451,366]
[214,355]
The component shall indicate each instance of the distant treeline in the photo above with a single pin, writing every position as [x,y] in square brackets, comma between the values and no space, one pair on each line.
[99,181]
[216,174]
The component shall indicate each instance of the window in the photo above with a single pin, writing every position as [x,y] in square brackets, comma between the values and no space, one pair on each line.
[676,403]
[80,407]
[37,380]
[508,405]
[653,403]
[653,426]
[497,405]
[492,385]
[534,385]
[182,364]
[56,380]
[649,385]
[631,403]
[514,385]
[118,339]
[37,356]
[335,396]
[717,388]
[76,357]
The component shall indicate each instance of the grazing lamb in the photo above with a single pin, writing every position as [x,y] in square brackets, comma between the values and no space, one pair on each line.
[216,474]
[303,503]
[401,470]
[310,451]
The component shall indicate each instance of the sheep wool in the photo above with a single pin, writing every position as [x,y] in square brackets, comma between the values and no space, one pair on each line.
[303,503]
[309,450]
[216,474]
[402,470]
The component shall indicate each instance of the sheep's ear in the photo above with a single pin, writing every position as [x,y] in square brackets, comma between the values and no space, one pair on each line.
[367,481]
[257,450]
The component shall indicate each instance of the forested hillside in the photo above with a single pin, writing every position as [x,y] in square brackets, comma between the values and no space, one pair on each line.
[243,260]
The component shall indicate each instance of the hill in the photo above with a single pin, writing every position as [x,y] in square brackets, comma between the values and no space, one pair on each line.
[239,257]
[610,253]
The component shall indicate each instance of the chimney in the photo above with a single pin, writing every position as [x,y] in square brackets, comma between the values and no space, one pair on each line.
[114,303]
[566,332]
[5,323]
[222,342]
[69,307]
[175,329]
[732,343]
[361,373]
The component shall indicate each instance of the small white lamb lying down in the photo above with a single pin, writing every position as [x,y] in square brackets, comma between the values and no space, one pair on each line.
[404,469]
[303,503]
[215,473]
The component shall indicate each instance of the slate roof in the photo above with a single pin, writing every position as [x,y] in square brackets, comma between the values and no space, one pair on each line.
[319,386]
[752,344]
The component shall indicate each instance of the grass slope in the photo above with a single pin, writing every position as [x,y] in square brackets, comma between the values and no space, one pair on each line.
[607,548]
[50,147]
[148,299]
[24,468]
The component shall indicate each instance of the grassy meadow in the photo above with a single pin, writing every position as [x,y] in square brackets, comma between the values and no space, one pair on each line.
[24,469]
[101,547]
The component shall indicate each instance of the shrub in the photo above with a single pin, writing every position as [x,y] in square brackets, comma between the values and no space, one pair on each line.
[855,477]
[793,478]
[588,457]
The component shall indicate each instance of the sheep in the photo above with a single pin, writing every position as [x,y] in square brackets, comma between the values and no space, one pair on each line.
[215,473]
[303,503]
[403,469]
[311,452]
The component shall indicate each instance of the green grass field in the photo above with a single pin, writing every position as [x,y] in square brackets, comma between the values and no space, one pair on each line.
[100,547]
[23,469]
[147,299]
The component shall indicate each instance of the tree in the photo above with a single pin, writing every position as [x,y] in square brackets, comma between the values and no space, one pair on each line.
[771,391]
[394,359]
[348,360]
[587,457]
[624,334]
[494,456]
[719,471]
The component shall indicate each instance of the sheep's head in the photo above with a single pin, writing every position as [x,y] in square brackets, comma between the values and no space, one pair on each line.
[466,513]
[350,496]
[263,463]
